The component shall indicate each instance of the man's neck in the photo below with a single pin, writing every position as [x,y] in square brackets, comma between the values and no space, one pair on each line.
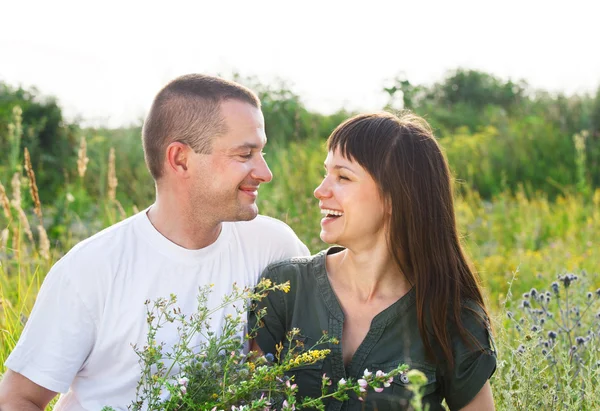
[180,227]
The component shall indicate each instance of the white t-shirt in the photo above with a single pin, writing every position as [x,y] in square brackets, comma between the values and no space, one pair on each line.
[90,308]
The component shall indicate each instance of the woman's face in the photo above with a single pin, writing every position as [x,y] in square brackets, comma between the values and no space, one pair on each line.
[353,211]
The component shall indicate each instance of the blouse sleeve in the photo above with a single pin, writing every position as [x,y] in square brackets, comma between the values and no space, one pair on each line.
[474,361]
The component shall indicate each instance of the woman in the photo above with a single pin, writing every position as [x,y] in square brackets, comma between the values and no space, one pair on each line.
[398,288]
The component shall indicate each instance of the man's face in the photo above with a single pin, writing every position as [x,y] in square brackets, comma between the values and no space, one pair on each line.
[227,179]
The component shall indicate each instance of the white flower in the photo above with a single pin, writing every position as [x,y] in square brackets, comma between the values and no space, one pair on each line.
[367,373]
[342,382]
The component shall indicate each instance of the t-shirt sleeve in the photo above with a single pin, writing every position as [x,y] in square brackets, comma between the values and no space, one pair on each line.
[271,328]
[474,361]
[58,335]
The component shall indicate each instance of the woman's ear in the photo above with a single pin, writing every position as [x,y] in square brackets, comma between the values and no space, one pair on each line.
[387,205]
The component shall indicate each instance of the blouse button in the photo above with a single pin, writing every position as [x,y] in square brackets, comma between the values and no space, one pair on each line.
[404,379]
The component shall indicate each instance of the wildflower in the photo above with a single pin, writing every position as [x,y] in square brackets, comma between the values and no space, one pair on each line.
[544,352]
[533,292]
[545,386]
[555,287]
[342,382]
[362,384]
[379,374]
[269,357]
[589,295]
[580,340]
[183,389]
[183,381]
[378,389]
[416,377]
[286,406]
[526,295]
[521,349]
[509,314]
[525,304]
[535,328]
[367,373]
[552,335]
[567,279]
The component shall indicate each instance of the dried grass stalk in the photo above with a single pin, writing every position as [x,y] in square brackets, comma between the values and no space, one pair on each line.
[16,190]
[5,202]
[33,186]
[112,176]
[4,239]
[82,158]
[44,243]
[25,224]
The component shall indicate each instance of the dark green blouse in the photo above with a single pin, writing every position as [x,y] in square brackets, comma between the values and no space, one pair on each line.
[393,339]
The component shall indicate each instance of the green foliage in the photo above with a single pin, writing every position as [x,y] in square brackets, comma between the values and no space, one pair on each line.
[42,130]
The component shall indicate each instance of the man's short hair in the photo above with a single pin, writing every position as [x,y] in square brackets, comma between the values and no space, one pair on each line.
[188,110]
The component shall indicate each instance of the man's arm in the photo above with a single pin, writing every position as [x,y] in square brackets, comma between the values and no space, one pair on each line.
[18,393]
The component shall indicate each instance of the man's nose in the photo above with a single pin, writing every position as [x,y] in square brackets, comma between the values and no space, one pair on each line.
[262,172]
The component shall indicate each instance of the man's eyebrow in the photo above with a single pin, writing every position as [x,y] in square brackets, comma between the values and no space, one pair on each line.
[251,146]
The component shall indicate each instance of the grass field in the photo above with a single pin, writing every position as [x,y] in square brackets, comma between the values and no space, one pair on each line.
[518,242]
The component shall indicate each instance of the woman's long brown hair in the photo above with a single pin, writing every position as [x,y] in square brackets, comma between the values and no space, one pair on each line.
[407,162]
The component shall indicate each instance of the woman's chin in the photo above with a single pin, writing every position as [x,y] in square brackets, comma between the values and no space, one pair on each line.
[327,238]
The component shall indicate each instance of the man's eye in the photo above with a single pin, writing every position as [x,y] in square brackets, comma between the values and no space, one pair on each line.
[246,156]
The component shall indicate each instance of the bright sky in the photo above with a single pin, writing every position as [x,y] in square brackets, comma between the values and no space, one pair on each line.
[105,62]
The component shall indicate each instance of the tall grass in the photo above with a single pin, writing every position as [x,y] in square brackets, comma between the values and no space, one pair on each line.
[518,242]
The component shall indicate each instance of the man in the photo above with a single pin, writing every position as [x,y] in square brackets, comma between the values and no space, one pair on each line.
[203,141]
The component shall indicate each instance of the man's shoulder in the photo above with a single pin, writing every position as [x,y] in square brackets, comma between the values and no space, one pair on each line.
[272,235]
[105,242]
[264,223]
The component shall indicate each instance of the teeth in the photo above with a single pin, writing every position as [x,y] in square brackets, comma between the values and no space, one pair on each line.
[324,211]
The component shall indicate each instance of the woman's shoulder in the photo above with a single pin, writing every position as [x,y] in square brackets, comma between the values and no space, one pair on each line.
[296,267]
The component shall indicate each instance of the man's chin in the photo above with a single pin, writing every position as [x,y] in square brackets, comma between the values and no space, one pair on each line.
[248,213]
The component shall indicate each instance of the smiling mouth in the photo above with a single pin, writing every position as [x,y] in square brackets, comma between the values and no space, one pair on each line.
[331,213]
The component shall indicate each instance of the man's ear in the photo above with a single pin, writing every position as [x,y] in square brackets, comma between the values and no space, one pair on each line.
[177,158]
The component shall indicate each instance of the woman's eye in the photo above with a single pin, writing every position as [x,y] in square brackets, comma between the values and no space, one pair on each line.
[343,178]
